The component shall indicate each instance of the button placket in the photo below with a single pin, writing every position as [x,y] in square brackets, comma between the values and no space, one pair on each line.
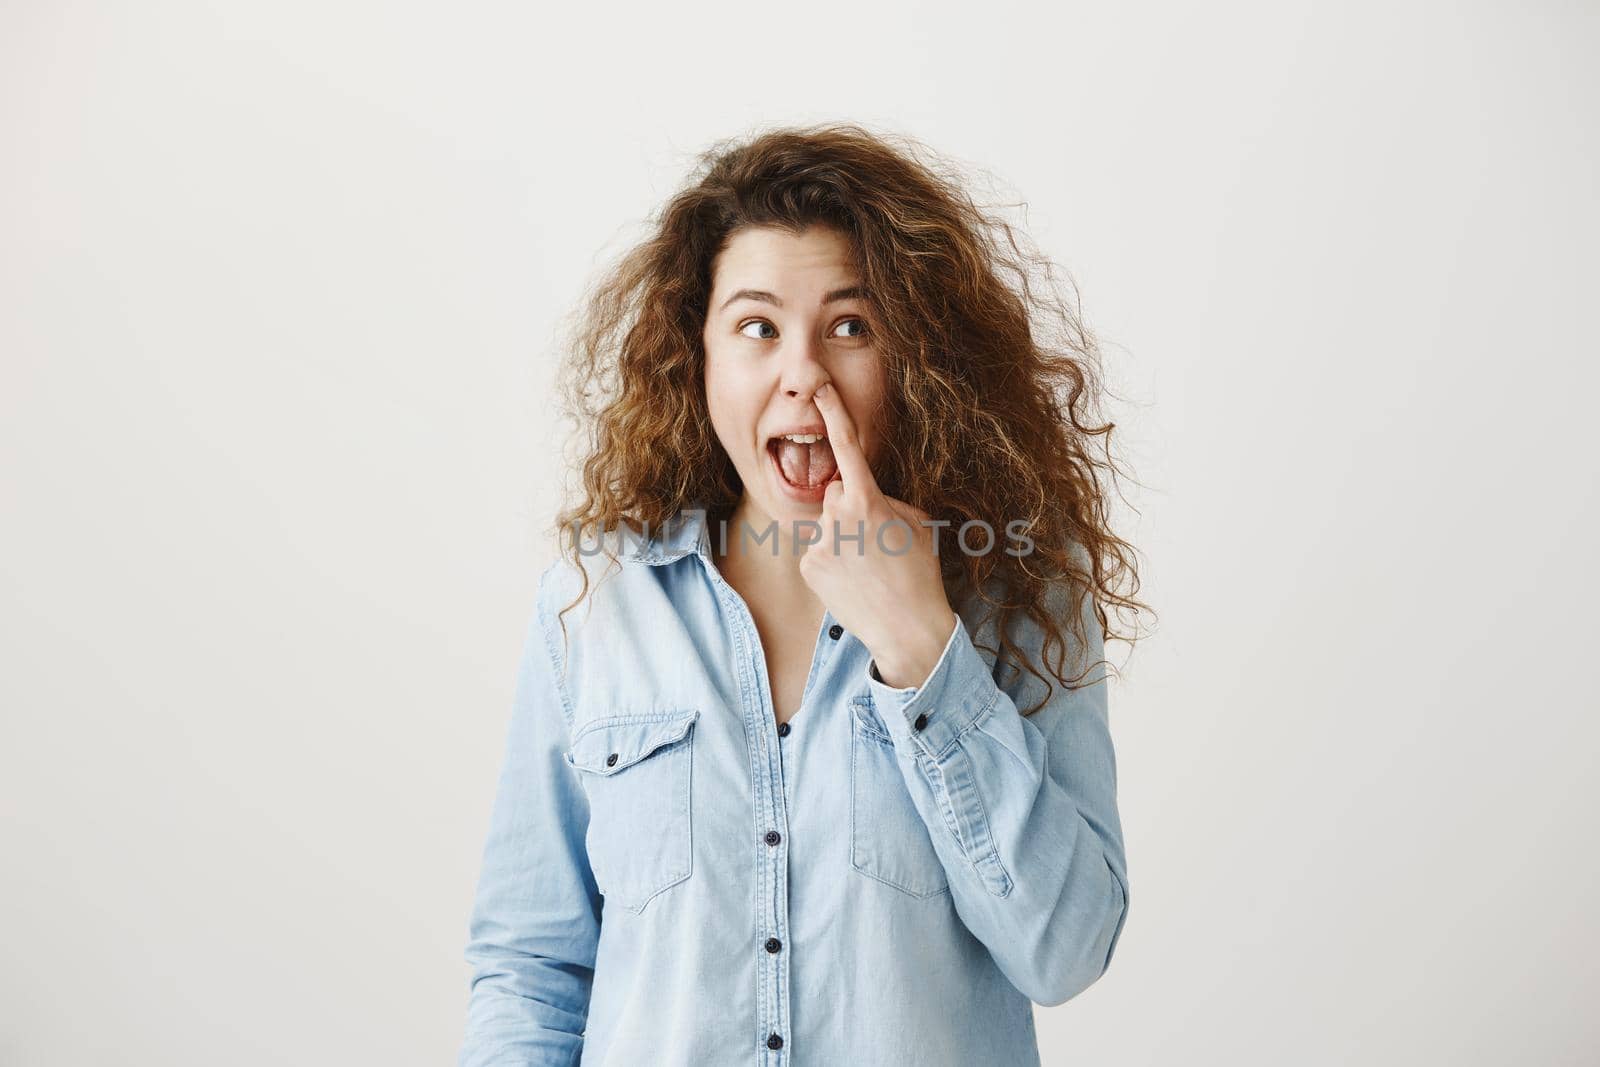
[772,1007]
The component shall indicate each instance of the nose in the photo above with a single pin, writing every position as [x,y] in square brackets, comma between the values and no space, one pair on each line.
[802,372]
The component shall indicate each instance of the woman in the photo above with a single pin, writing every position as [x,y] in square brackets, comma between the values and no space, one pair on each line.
[791,785]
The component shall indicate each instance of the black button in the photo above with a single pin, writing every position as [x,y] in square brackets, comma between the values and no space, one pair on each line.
[783,729]
[773,837]
[922,720]
[611,760]
[773,944]
[835,631]
[774,1041]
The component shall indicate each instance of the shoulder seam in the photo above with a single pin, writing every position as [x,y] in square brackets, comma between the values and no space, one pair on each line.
[557,661]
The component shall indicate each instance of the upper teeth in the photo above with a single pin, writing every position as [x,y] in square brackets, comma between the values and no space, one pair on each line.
[805,438]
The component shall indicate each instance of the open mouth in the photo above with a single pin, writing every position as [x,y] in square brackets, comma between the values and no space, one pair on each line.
[804,461]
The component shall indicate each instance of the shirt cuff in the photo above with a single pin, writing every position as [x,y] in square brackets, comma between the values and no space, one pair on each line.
[930,717]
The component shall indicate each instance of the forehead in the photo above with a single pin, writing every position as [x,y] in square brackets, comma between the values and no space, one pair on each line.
[769,257]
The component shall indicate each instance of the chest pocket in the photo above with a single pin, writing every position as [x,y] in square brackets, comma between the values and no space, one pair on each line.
[888,839]
[636,771]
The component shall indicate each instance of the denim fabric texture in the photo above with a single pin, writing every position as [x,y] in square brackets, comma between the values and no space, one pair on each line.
[669,879]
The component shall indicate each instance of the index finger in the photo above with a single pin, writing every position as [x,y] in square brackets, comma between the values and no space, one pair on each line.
[853,468]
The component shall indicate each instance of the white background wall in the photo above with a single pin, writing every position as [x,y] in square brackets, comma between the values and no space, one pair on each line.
[279,285]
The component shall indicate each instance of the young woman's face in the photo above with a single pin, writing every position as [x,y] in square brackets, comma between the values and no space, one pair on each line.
[787,314]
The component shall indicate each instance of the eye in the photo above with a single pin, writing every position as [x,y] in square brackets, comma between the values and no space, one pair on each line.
[861,328]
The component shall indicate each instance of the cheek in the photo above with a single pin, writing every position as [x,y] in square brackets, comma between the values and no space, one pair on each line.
[729,405]
[865,391]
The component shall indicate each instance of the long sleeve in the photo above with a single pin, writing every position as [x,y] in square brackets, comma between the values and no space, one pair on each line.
[1022,810]
[536,916]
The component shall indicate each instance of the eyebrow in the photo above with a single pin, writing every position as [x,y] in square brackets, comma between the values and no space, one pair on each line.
[850,292]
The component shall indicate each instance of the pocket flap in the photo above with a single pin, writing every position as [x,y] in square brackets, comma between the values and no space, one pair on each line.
[610,745]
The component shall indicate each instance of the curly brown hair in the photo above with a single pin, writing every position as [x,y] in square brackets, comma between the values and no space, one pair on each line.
[993,387]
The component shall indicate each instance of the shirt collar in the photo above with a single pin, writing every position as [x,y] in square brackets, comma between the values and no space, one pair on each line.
[673,539]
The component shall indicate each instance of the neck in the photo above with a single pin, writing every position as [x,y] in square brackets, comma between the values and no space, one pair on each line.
[753,565]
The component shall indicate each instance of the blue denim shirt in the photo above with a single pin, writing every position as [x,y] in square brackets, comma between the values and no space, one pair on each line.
[895,876]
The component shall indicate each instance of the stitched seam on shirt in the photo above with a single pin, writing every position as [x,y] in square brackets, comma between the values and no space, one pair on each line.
[946,809]
[982,714]
[993,852]
[981,719]
[865,723]
[990,853]
[557,662]
[673,715]
[747,674]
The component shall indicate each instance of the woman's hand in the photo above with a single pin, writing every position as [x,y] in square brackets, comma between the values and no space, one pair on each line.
[875,567]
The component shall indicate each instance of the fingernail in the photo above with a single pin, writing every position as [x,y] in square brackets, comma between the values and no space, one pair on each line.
[824,387]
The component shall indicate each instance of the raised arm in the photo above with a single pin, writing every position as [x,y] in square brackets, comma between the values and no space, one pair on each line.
[1022,810]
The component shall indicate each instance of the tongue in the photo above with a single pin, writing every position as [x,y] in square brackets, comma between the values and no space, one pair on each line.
[807,466]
